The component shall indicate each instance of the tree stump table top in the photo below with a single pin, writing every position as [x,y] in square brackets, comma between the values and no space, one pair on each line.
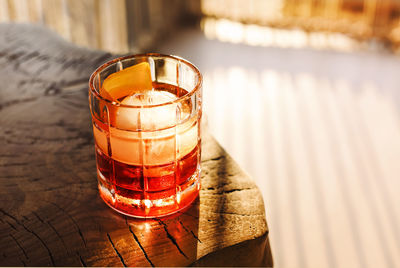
[51,213]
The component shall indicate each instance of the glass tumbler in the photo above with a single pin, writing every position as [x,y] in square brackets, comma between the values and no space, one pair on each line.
[147,142]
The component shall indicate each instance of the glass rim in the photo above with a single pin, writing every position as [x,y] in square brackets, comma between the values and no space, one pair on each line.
[196,88]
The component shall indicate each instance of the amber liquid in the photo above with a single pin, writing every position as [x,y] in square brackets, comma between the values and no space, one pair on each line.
[164,183]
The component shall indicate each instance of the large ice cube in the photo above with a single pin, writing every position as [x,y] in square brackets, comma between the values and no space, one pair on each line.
[147,118]
[158,147]
[149,147]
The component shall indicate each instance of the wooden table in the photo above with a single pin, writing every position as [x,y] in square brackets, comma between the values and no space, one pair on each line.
[51,213]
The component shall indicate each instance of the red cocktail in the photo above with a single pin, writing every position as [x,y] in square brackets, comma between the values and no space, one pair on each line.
[146,112]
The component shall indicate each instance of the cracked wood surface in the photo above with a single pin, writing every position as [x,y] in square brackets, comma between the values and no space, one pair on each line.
[51,213]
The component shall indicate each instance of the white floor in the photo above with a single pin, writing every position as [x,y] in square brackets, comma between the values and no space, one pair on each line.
[319,131]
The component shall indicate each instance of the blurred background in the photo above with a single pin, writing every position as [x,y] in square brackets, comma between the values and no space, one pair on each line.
[303,94]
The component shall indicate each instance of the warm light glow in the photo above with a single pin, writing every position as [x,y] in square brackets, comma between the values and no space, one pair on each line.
[376,20]
[255,35]
[147,226]
[244,10]
[147,203]
[135,202]
[178,197]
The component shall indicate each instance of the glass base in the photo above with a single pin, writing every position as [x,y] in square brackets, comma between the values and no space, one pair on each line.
[145,208]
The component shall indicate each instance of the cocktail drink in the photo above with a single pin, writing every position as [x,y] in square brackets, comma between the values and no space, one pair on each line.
[146,112]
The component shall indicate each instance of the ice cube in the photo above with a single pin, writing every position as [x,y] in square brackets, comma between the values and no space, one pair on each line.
[151,118]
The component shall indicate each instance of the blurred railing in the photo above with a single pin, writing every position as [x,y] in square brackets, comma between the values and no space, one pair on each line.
[114,25]
[362,20]
[131,25]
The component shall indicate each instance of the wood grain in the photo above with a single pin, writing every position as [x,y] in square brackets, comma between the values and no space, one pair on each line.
[51,213]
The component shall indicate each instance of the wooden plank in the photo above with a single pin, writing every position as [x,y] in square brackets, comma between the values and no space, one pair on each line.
[4,12]
[83,19]
[35,10]
[55,17]
[113,26]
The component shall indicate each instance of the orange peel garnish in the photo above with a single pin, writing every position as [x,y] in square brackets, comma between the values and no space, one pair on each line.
[128,81]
